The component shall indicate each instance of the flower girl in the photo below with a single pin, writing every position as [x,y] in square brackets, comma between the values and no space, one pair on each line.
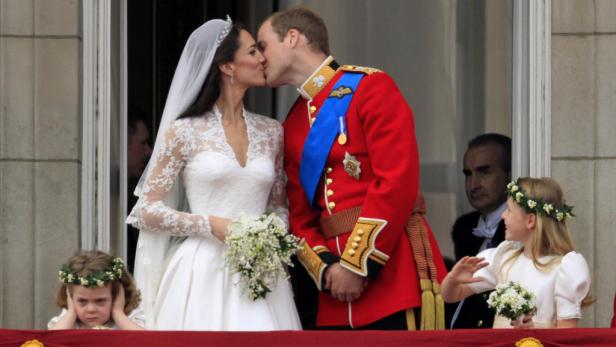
[537,254]
[97,293]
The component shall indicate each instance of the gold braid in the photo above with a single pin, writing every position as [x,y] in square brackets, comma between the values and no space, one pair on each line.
[432,303]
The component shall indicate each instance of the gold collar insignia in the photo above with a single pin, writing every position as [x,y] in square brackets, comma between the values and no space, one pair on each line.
[318,80]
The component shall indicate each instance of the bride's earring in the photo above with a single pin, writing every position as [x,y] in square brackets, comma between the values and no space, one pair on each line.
[232,80]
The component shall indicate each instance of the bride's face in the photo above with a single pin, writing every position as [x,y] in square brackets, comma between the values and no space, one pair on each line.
[248,62]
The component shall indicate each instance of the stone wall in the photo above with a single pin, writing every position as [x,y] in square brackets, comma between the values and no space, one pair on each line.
[583,141]
[40,146]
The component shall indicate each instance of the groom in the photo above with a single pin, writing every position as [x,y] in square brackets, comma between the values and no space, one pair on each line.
[353,175]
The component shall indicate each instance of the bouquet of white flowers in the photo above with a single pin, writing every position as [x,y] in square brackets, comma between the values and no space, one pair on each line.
[257,249]
[512,301]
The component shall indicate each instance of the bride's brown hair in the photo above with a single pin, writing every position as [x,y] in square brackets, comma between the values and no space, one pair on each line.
[210,91]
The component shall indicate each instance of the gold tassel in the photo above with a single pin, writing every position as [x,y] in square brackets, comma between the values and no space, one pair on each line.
[410,319]
[439,306]
[427,305]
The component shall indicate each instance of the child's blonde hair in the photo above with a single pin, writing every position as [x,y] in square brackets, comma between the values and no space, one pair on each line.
[84,263]
[551,237]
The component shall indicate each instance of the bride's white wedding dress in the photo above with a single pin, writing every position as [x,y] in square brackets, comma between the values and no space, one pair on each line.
[197,291]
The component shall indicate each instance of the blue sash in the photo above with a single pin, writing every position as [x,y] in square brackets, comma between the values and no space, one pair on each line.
[328,123]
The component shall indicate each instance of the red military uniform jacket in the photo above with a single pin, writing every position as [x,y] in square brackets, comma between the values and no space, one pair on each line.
[381,139]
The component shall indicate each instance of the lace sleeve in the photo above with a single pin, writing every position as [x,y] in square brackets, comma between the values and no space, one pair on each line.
[151,213]
[278,197]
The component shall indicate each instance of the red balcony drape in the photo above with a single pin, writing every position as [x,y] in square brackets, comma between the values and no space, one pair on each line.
[508,337]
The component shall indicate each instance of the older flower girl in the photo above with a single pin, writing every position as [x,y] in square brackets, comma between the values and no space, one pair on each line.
[538,254]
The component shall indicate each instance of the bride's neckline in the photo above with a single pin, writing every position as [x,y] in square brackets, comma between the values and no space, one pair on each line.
[225,139]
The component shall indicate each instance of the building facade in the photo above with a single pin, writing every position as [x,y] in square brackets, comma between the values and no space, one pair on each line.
[541,71]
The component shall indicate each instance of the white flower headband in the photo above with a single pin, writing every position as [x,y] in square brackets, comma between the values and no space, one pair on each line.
[530,205]
[95,279]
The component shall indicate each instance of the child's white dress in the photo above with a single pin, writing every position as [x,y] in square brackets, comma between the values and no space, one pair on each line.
[136,316]
[559,289]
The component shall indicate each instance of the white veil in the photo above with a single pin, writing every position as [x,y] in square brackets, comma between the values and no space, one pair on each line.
[190,74]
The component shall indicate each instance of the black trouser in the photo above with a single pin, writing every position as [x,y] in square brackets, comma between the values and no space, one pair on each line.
[396,321]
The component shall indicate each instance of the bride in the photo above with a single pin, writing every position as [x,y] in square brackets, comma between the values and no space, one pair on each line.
[212,161]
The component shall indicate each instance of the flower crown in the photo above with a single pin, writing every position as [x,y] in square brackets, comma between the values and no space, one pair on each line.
[559,213]
[94,279]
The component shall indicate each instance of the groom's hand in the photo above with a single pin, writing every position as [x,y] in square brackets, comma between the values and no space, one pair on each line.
[344,285]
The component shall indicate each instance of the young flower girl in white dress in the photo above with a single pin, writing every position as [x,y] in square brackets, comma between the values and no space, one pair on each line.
[538,254]
[97,293]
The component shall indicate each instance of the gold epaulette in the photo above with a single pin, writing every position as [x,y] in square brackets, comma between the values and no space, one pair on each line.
[364,69]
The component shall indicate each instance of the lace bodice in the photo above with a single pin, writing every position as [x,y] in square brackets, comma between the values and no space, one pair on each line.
[196,150]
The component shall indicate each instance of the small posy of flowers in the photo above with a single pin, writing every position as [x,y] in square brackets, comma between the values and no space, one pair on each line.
[258,249]
[94,279]
[530,205]
[511,300]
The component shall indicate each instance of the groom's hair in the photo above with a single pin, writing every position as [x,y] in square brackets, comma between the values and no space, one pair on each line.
[304,21]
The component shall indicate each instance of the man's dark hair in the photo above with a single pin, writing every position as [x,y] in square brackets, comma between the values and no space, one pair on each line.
[502,141]
[135,115]
[306,22]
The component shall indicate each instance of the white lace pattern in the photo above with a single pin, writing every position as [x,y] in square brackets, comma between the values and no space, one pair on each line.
[196,150]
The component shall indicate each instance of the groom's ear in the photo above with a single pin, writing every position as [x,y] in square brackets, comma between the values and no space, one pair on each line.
[293,35]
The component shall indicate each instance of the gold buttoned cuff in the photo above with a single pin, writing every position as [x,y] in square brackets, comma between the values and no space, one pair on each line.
[315,260]
[360,247]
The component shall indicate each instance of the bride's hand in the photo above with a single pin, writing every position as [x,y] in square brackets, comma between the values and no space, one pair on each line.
[464,269]
[219,227]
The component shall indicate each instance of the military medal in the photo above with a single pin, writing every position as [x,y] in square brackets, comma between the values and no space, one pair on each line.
[352,166]
[342,137]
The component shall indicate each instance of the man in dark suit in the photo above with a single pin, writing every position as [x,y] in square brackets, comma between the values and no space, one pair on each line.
[487,170]
[138,151]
